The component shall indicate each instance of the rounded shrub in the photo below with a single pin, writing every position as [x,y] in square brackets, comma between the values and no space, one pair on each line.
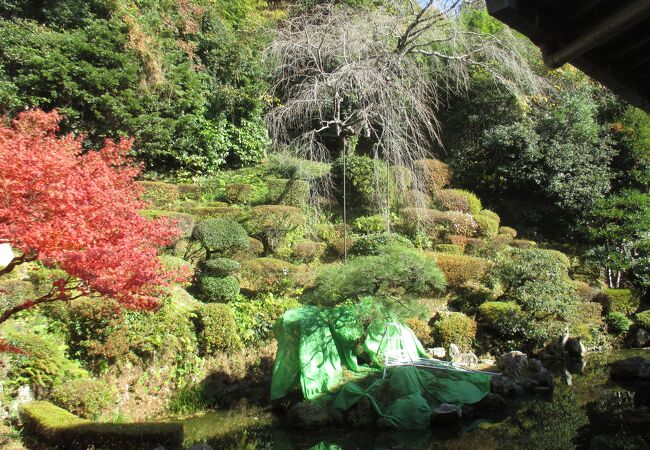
[416,199]
[523,244]
[422,331]
[458,200]
[455,328]
[505,318]
[618,323]
[449,248]
[432,173]
[622,301]
[308,251]
[461,269]
[643,319]
[486,226]
[239,193]
[271,223]
[85,398]
[219,289]
[159,195]
[267,275]
[402,177]
[492,215]
[456,222]
[220,235]
[221,267]
[217,329]
[361,175]
[508,231]
[370,224]
[372,244]
[292,192]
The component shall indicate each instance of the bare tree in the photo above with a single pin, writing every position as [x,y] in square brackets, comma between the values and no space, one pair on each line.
[340,73]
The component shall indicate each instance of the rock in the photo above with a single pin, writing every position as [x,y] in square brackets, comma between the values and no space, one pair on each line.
[491,404]
[529,384]
[535,365]
[636,368]
[575,348]
[307,416]
[439,352]
[454,350]
[386,424]
[23,395]
[504,386]
[362,414]
[542,390]
[467,411]
[545,379]
[467,360]
[639,338]
[511,364]
[446,414]
[642,395]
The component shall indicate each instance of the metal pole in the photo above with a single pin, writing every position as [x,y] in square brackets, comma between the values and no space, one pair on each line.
[345,211]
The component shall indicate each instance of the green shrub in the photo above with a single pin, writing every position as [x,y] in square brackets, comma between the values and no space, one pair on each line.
[338,246]
[219,212]
[160,195]
[435,222]
[505,318]
[240,193]
[217,329]
[461,269]
[492,215]
[218,289]
[416,199]
[456,328]
[618,323]
[85,398]
[457,239]
[456,222]
[290,167]
[308,251]
[643,319]
[268,275]
[432,173]
[362,173]
[485,248]
[292,192]
[486,225]
[44,362]
[189,192]
[55,426]
[372,244]
[523,244]
[396,270]
[221,267]
[220,236]
[508,231]
[623,301]
[185,222]
[449,248]
[458,200]
[370,224]
[402,178]
[586,292]
[255,318]
[422,331]
[271,224]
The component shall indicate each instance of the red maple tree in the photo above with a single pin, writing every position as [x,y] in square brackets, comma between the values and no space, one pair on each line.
[78,211]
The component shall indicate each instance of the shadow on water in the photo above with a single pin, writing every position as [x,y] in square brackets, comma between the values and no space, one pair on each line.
[587,411]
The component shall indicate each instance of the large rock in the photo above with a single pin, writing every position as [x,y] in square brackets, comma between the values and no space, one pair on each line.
[446,414]
[512,363]
[505,386]
[467,360]
[545,379]
[362,414]
[639,338]
[631,369]
[491,404]
[307,416]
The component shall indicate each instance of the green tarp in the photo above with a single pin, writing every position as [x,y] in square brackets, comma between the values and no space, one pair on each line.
[316,344]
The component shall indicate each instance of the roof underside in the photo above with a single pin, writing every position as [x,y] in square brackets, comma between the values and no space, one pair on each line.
[609,40]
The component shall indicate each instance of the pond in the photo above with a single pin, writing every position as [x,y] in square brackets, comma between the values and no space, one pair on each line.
[584,412]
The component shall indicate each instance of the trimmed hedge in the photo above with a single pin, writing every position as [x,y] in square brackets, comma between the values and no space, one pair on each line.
[417,199]
[221,267]
[271,223]
[422,331]
[372,244]
[86,398]
[308,251]
[267,275]
[185,222]
[460,269]
[57,427]
[458,200]
[434,222]
[506,318]
[432,173]
[160,195]
[618,323]
[177,264]
[288,192]
[241,193]
[220,235]
[189,192]
[486,225]
[523,244]
[643,319]
[452,249]
[222,212]
[217,329]
[370,224]
[218,289]
[508,231]
[456,328]
[402,177]
[622,301]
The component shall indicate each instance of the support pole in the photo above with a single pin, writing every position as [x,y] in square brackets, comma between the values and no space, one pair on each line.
[345,209]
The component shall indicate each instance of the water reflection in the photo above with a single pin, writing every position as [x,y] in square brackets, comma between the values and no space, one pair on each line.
[587,411]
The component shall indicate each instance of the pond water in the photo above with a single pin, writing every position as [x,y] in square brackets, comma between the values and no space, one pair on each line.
[584,412]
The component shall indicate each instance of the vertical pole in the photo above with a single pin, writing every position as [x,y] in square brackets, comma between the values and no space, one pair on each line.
[345,210]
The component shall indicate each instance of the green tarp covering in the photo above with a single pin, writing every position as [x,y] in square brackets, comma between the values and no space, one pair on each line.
[316,344]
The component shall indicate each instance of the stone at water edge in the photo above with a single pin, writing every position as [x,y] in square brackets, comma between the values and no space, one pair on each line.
[446,414]
[307,416]
[512,363]
[535,365]
[439,352]
[491,404]
[640,338]
[505,386]
[636,368]
[466,360]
